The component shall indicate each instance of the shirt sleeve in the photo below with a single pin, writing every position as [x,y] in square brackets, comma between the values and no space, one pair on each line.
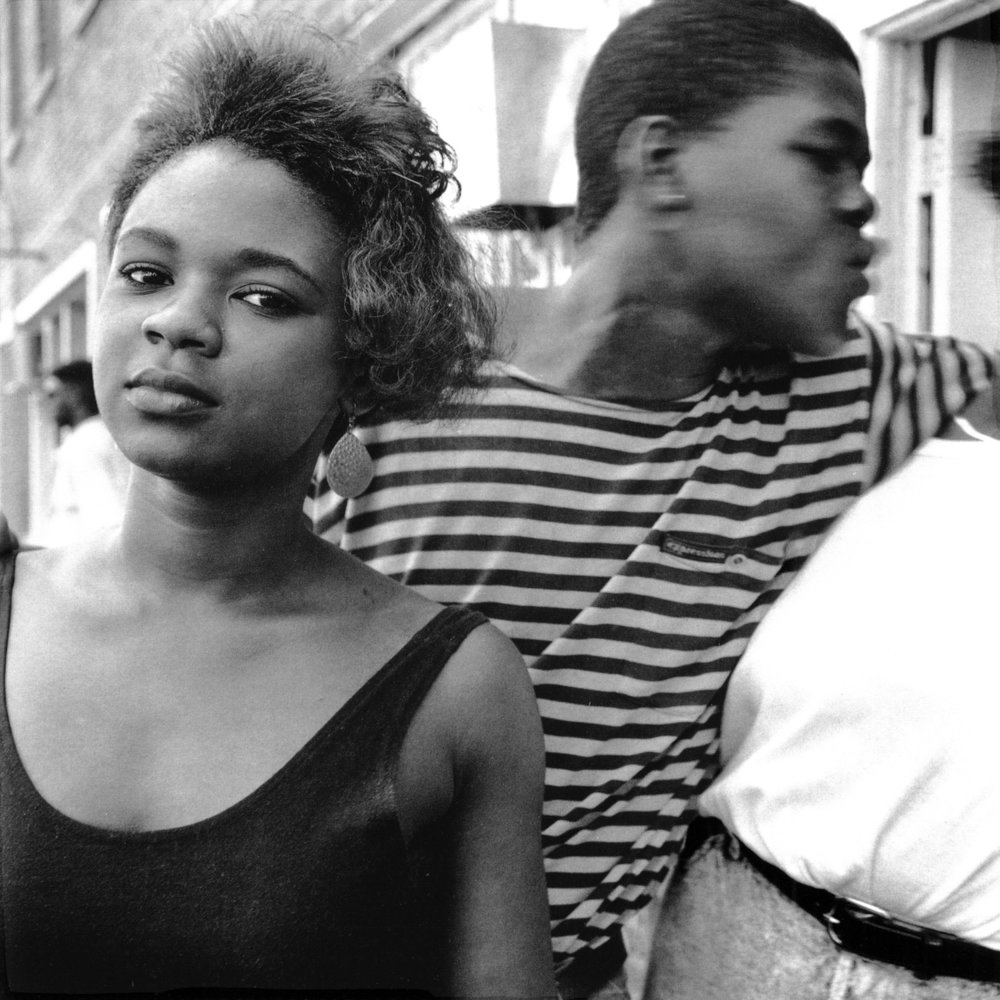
[918,383]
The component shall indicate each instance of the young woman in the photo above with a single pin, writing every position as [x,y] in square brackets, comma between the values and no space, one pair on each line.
[231,756]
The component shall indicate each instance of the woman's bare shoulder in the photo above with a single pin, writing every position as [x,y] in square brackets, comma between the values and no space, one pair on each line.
[76,569]
[66,592]
[484,700]
[369,592]
[478,728]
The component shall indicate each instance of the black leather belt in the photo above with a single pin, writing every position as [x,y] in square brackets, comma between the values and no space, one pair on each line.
[591,969]
[856,928]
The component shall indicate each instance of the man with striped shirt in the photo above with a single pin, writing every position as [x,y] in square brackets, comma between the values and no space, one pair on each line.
[629,514]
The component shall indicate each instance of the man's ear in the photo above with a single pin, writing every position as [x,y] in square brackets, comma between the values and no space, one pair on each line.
[647,161]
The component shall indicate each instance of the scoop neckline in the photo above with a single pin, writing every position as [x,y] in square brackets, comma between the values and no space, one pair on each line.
[26,787]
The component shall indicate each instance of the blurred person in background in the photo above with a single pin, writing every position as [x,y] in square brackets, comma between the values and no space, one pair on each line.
[987,164]
[851,845]
[629,513]
[90,474]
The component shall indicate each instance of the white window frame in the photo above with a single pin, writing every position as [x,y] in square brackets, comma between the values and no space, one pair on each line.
[904,161]
[52,311]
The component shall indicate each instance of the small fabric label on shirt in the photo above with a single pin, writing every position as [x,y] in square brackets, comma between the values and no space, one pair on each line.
[692,550]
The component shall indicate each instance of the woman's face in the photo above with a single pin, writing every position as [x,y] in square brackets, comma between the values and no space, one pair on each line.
[219,327]
[772,234]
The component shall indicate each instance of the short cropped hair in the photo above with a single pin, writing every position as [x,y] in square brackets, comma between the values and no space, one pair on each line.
[418,323]
[80,375]
[987,164]
[697,61]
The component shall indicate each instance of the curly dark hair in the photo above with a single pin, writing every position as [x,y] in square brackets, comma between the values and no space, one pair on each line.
[419,325]
[697,61]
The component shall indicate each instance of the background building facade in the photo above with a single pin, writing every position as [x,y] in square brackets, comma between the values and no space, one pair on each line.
[501,78]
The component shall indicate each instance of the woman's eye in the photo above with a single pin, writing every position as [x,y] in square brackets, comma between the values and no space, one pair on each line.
[143,274]
[268,301]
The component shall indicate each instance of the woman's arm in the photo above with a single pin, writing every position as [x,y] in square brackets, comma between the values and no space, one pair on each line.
[498,934]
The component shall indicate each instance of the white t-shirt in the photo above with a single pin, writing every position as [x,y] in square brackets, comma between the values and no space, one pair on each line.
[88,485]
[861,730]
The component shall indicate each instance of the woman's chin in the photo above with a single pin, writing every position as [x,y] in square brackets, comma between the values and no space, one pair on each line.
[187,471]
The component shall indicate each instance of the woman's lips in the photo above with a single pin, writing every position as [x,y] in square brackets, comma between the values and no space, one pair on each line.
[163,393]
[160,402]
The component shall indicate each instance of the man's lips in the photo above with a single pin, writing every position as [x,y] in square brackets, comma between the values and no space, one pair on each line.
[863,254]
[858,261]
[164,393]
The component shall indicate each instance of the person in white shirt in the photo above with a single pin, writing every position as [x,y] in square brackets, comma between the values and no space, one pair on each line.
[90,475]
[860,854]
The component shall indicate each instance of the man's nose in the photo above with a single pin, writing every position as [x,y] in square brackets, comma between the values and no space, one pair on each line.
[857,204]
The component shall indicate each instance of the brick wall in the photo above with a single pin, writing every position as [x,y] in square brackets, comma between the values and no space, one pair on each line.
[57,178]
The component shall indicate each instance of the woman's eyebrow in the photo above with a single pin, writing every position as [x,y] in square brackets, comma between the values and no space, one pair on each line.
[156,236]
[247,257]
[253,257]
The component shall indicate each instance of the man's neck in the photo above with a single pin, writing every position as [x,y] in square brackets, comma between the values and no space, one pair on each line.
[623,327]
[637,353]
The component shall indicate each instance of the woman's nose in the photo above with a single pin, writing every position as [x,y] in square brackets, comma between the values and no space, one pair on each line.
[186,322]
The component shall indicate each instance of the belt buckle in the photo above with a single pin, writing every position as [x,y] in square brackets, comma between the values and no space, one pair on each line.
[844,907]
[832,920]
[845,910]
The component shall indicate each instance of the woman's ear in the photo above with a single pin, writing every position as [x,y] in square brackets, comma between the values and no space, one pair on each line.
[336,431]
[647,161]
[355,388]
[355,399]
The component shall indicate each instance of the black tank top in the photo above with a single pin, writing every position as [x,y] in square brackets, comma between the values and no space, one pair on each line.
[304,885]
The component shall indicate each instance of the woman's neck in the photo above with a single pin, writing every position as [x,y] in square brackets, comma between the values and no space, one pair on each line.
[234,541]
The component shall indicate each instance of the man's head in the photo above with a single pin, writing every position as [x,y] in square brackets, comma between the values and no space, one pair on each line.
[70,392]
[987,164]
[696,61]
[727,140]
[987,167]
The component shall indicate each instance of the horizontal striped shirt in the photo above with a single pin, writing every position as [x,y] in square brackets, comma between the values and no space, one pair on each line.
[629,553]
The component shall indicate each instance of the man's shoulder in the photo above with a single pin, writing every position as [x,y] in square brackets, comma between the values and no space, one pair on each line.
[507,394]
[869,345]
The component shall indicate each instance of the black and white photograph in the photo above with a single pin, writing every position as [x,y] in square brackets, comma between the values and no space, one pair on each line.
[500,499]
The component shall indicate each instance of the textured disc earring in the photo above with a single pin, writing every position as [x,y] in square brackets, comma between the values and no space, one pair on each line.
[349,468]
